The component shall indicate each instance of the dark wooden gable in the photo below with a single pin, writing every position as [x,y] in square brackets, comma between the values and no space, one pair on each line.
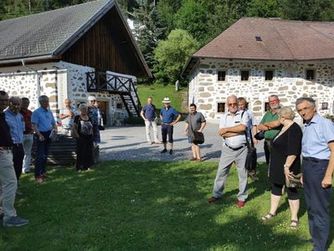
[107,46]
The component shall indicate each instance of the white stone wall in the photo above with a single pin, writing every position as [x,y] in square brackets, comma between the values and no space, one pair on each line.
[288,83]
[58,80]
[31,83]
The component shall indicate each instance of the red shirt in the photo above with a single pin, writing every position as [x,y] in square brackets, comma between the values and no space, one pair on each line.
[27,121]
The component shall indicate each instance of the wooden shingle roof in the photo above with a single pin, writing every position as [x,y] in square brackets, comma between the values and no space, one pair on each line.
[49,34]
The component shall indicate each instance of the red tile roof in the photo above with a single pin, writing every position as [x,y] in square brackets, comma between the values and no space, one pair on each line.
[281,40]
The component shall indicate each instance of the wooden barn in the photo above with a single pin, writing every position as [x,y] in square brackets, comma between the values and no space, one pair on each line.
[74,52]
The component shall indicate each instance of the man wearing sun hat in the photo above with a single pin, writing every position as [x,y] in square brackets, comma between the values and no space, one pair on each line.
[169,117]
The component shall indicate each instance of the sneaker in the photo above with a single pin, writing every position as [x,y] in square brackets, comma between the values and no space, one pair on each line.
[15,221]
[171,151]
[240,203]
[26,171]
[164,151]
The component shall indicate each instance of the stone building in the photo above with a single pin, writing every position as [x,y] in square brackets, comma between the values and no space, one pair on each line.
[257,57]
[73,52]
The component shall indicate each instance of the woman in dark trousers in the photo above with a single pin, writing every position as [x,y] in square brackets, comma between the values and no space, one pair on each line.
[285,161]
[83,132]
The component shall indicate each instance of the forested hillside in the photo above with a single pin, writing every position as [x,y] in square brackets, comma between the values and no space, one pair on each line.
[169,31]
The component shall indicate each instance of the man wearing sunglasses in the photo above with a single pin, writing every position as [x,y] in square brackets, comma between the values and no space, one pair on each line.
[232,127]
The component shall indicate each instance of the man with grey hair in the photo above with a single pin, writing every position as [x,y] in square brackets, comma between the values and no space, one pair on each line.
[317,167]
[44,126]
[15,122]
[270,115]
[8,182]
[232,127]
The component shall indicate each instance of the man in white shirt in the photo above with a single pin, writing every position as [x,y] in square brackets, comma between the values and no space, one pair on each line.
[232,128]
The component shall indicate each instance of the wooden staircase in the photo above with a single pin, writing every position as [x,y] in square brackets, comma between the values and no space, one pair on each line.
[115,84]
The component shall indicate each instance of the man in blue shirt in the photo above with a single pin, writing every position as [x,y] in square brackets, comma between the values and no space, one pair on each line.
[149,116]
[44,126]
[169,117]
[15,122]
[318,167]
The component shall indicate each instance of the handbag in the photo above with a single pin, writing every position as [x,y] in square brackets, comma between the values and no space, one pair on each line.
[197,137]
[259,135]
[251,159]
[295,181]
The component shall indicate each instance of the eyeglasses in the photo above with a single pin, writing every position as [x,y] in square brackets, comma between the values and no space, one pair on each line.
[273,101]
[232,104]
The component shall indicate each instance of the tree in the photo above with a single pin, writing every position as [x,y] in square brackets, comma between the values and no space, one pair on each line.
[147,33]
[172,54]
[193,17]
[268,8]
[166,10]
[312,10]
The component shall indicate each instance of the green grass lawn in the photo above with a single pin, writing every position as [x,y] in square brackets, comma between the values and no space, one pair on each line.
[158,92]
[123,205]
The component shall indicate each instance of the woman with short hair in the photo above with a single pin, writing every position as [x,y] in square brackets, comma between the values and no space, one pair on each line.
[285,161]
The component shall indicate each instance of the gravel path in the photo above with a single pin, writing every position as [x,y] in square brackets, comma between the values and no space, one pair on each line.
[129,143]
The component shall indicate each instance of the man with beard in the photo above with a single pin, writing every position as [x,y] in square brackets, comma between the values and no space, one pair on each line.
[269,116]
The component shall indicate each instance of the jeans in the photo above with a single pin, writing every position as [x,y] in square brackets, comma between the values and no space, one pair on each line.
[148,126]
[8,184]
[28,139]
[42,153]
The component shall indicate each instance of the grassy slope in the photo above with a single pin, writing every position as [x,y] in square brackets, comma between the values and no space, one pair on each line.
[123,205]
[158,92]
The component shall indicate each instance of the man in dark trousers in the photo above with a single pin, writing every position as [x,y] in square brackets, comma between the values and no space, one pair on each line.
[169,117]
[318,167]
[15,122]
[7,174]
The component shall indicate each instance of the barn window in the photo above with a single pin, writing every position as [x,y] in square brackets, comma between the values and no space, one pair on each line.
[221,75]
[220,107]
[244,75]
[310,74]
[269,75]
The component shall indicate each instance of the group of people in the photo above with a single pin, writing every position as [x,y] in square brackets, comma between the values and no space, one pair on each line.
[292,152]
[20,127]
[294,155]
[195,122]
